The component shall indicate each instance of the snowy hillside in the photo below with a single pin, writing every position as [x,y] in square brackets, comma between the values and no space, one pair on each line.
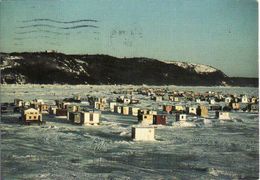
[58,68]
[199,68]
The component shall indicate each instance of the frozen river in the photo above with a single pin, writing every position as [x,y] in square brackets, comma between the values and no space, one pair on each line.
[59,150]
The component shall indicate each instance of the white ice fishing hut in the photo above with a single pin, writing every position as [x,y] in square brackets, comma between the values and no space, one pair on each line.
[191,110]
[212,101]
[90,118]
[118,109]
[134,111]
[228,100]
[197,101]
[222,115]
[127,101]
[181,117]
[244,99]
[143,133]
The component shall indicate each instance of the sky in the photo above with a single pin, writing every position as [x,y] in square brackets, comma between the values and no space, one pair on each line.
[219,33]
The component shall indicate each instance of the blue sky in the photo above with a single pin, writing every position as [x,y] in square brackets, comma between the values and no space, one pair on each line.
[220,33]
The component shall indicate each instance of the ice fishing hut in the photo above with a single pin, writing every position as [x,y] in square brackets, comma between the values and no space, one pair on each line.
[100,106]
[212,101]
[90,118]
[145,119]
[133,111]
[44,108]
[52,109]
[191,110]
[159,119]
[142,111]
[235,106]
[75,117]
[202,111]
[178,108]
[143,133]
[176,99]
[167,108]
[31,115]
[197,100]
[72,108]
[61,112]
[228,100]
[64,105]
[126,101]
[253,108]
[96,105]
[102,100]
[112,106]
[118,109]
[125,110]
[18,102]
[158,98]
[222,115]
[181,117]
[253,100]
[244,99]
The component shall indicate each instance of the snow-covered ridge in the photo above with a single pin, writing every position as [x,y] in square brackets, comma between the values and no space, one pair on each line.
[199,68]
[67,66]
[8,62]
[104,69]
[14,57]
[80,61]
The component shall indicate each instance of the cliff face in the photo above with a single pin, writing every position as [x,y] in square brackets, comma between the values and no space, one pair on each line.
[49,68]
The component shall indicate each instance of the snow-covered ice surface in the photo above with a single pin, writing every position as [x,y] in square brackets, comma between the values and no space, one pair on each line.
[60,150]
